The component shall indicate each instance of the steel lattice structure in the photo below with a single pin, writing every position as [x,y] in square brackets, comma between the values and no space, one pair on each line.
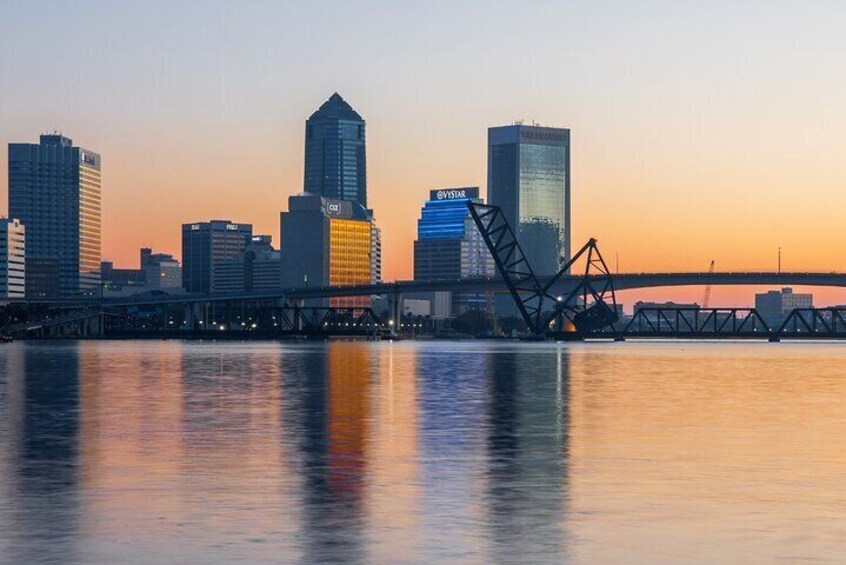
[586,304]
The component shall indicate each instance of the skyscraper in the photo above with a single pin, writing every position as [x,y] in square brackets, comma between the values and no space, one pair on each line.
[529,178]
[449,247]
[54,190]
[335,162]
[12,258]
[207,244]
[327,242]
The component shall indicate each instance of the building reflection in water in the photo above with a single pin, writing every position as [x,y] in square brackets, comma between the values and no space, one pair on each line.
[39,452]
[528,452]
[327,392]
[452,413]
[394,491]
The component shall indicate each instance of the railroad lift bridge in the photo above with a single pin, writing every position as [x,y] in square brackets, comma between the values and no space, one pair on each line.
[587,305]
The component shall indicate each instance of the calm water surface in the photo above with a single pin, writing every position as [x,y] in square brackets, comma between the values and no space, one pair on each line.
[169,452]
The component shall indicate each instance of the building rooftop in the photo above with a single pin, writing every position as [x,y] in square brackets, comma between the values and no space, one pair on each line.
[336,108]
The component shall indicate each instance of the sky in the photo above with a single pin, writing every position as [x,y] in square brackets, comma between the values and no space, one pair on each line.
[700,130]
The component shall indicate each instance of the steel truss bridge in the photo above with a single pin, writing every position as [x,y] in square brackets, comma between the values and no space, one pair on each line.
[258,320]
[723,323]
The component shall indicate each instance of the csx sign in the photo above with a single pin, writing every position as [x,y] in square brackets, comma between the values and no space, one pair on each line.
[333,208]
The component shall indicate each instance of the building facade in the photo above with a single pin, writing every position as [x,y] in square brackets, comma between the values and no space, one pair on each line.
[450,247]
[529,179]
[335,159]
[161,271]
[326,242]
[775,305]
[12,259]
[206,244]
[257,269]
[54,190]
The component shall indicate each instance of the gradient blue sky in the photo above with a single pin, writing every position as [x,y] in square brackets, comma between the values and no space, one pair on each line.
[701,130]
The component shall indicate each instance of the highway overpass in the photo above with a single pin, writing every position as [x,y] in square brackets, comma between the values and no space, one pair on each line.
[622,281]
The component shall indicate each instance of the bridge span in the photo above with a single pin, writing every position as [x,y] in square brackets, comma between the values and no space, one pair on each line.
[622,281]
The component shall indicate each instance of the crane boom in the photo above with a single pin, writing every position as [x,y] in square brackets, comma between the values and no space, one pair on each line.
[707,297]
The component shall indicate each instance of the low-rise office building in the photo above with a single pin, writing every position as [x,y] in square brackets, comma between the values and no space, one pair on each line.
[775,305]
[257,269]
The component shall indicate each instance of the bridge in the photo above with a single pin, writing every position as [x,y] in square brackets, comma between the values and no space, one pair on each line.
[622,281]
[585,301]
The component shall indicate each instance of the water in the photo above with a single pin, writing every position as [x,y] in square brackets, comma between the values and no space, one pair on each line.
[169,452]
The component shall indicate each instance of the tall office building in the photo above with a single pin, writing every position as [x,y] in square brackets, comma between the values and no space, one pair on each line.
[206,244]
[327,242]
[335,161]
[54,190]
[449,247]
[529,178]
[12,259]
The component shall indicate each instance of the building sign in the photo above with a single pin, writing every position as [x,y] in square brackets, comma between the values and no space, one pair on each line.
[195,227]
[232,227]
[542,135]
[87,159]
[454,193]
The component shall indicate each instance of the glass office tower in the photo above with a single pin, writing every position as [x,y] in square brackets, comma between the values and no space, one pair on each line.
[529,178]
[335,163]
[54,190]
[450,247]
[206,245]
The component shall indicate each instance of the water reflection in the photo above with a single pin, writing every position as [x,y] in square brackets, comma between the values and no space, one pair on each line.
[169,452]
[527,444]
[328,407]
[39,477]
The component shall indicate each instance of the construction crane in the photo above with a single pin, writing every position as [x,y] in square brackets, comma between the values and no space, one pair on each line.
[707,296]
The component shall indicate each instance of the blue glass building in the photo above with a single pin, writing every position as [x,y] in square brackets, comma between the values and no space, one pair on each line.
[529,179]
[335,159]
[450,247]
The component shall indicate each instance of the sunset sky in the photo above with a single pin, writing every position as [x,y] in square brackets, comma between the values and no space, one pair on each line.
[706,130]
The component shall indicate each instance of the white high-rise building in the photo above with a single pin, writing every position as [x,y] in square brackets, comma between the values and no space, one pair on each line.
[12,258]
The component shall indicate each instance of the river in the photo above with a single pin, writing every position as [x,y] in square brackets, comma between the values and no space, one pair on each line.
[418,452]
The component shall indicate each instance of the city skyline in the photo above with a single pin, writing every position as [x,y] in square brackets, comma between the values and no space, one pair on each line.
[699,137]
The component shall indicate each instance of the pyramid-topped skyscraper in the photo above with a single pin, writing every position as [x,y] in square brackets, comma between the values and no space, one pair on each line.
[335,157]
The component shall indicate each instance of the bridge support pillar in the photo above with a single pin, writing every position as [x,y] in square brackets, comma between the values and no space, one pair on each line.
[396,313]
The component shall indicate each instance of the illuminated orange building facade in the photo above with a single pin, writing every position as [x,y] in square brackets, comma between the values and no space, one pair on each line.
[329,242]
[350,257]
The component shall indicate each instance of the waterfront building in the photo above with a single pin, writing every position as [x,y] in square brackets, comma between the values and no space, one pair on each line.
[529,179]
[450,247]
[206,244]
[161,271]
[54,190]
[327,241]
[257,269]
[12,258]
[116,278]
[158,271]
[774,306]
[335,160]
